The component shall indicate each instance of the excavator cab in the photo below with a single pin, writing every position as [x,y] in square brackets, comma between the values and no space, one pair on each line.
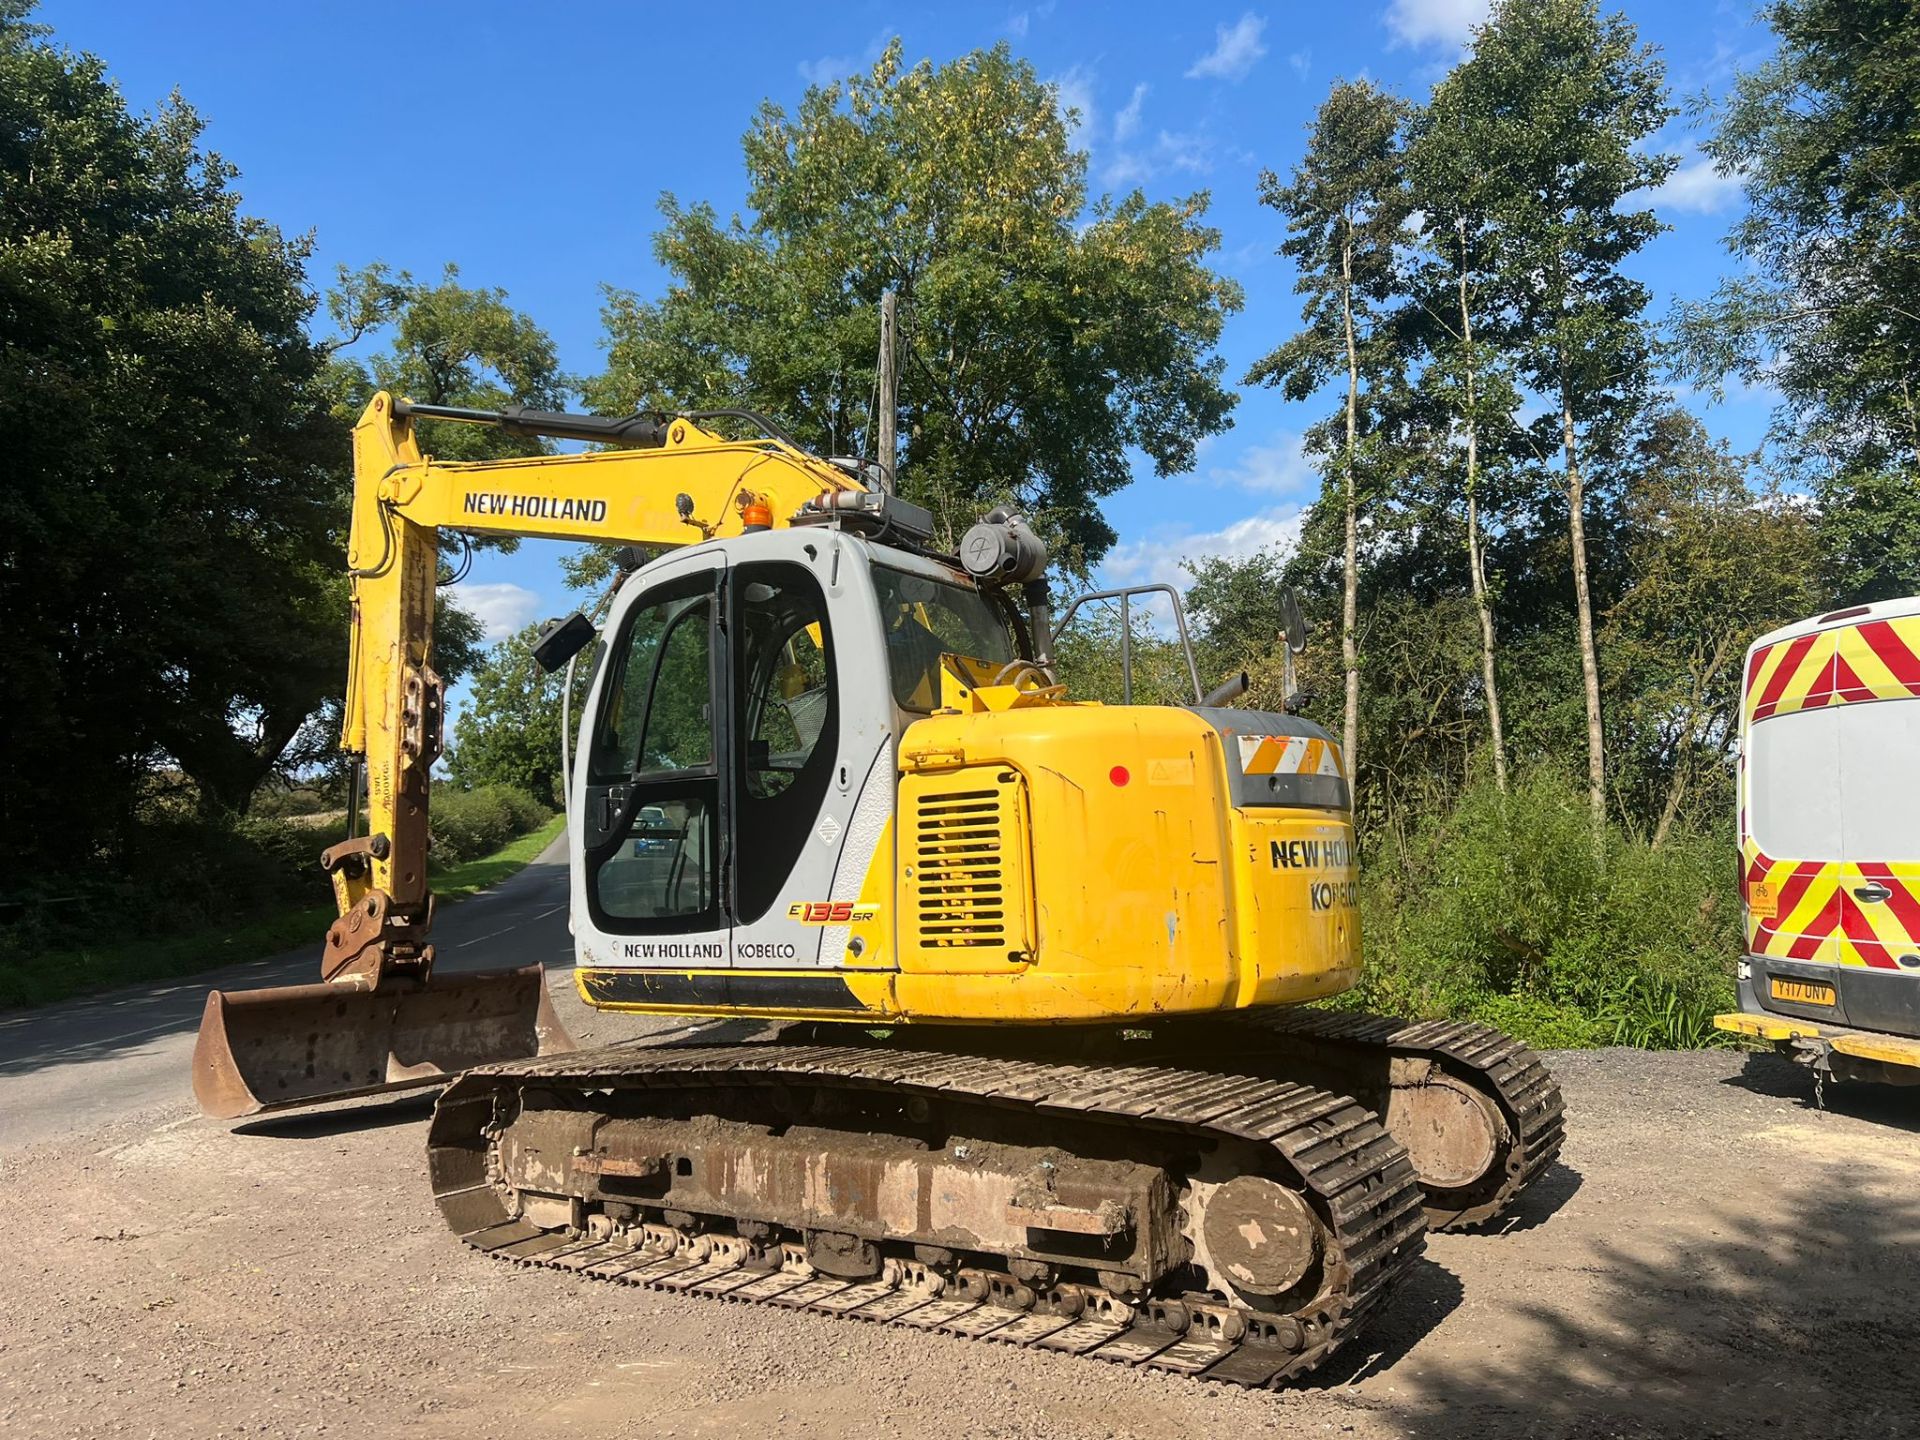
[754,692]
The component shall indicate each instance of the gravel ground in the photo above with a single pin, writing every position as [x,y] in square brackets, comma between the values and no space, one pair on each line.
[1713,1256]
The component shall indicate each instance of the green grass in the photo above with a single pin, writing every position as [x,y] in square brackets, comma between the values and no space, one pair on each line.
[56,975]
[457,882]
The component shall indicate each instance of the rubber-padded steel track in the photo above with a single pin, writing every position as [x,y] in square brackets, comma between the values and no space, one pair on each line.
[1512,1073]
[1359,1180]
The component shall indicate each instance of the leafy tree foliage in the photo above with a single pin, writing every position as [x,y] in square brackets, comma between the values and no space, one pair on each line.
[172,468]
[1468,386]
[1346,207]
[1824,134]
[1559,103]
[509,734]
[1712,567]
[442,344]
[448,344]
[1037,347]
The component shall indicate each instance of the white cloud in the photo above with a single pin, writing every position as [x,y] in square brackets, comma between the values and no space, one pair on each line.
[1073,91]
[1237,49]
[1697,188]
[827,69]
[1127,123]
[1302,62]
[1277,467]
[503,609]
[1435,22]
[1159,559]
[830,68]
[1245,257]
[1017,25]
[1190,154]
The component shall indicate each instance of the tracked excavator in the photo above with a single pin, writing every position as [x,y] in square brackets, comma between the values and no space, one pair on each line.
[1043,1066]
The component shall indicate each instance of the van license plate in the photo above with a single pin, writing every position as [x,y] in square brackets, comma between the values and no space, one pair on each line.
[1802,992]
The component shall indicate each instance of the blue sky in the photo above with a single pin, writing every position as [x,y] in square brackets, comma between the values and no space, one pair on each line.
[529,144]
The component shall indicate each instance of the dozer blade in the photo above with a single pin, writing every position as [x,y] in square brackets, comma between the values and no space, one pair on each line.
[308,1044]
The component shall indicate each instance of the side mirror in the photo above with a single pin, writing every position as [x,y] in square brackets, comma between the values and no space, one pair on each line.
[1294,620]
[560,640]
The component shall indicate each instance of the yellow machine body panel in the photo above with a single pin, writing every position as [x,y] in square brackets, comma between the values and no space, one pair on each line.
[1062,863]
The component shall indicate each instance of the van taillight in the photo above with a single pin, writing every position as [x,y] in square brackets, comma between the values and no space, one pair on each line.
[1847,614]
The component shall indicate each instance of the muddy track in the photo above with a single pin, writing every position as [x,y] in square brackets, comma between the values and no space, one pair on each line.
[1511,1074]
[1358,1180]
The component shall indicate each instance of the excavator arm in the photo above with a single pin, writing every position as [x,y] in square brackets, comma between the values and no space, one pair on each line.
[378,1019]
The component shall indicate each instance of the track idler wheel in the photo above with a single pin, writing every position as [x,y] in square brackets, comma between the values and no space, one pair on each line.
[1262,1237]
[1454,1132]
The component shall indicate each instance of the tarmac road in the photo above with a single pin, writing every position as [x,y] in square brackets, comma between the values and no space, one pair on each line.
[70,1067]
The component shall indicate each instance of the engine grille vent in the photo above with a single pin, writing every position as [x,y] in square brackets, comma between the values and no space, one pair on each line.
[960,869]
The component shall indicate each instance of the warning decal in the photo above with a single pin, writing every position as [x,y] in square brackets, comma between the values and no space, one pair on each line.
[1288,755]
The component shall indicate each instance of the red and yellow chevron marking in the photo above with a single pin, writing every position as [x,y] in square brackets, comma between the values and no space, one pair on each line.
[1805,910]
[1288,755]
[1879,660]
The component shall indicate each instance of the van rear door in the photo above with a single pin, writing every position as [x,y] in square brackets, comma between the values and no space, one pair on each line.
[1791,770]
[1879,662]
[1832,771]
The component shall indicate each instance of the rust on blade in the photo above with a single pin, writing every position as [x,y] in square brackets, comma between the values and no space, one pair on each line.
[276,1049]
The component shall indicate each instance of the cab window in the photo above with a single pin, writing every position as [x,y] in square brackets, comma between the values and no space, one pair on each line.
[652,786]
[659,721]
[786,723]
[923,619]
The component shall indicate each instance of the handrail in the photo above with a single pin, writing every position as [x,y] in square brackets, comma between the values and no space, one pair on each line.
[1124,596]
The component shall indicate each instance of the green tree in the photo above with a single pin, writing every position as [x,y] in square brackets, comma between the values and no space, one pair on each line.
[439,344]
[447,344]
[1826,135]
[1041,339]
[1468,380]
[1713,566]
[166,529]
[1346,209]
[509,733]
[1558,105]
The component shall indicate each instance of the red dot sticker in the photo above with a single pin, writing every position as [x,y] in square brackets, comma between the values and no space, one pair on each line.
[1119,775]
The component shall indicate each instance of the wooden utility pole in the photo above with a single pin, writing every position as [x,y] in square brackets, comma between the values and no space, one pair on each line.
[889,389]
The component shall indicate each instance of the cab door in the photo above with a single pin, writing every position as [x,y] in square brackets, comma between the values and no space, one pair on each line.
[810,775]
[650,789]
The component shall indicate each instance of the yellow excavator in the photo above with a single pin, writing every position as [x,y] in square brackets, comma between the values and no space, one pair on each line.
[1044,1070]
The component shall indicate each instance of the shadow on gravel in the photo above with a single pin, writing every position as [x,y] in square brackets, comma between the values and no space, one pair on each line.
[1896,1106]
[1429,1294]
[1538,1203]
[1799,1325]
[320,1124]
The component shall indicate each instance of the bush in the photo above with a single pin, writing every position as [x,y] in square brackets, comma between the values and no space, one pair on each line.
[470,823]
[1503,910]
[176,874]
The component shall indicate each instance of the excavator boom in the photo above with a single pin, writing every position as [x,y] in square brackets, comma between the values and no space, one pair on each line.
[379,1018]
